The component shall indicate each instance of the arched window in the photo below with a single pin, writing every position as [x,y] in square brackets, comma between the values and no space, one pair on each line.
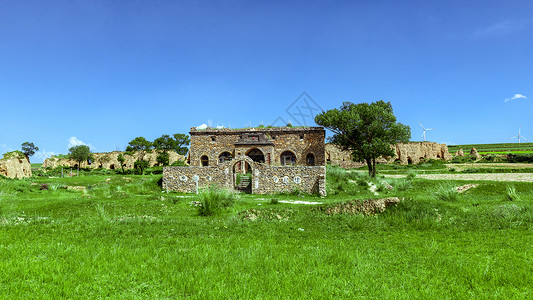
[310,159]
[256,155]
[288,158]
[224,156]
[205,161]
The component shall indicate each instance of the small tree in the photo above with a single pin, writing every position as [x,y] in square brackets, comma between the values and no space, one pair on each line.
[141,165]
[80,154]
[368,130]
[163,158]
[29,149]
[121,160]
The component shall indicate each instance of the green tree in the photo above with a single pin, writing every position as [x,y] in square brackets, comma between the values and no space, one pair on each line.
[121,160]
[368,130]
[163,158]
[141,145]
[141,165]
[29,149]
[165,142]
[80,154]
[182,141]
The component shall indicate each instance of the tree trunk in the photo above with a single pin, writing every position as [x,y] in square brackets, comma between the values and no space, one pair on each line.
[373,167]
[369,164]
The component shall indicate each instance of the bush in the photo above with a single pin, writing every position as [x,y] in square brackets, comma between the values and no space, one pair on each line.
[402,184]
[213,199]
[512,194]
[520,157]
[446,192]
[411,175]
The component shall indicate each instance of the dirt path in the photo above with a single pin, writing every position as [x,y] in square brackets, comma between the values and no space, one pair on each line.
[523,177]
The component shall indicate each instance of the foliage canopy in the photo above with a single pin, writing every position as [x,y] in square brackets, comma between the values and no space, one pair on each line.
[368,130]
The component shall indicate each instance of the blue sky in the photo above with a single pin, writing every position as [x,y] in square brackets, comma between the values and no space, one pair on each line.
[105,72]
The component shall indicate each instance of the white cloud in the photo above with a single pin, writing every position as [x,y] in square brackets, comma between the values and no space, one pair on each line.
[516,96]
[4,149]
[500,28]
[74,141]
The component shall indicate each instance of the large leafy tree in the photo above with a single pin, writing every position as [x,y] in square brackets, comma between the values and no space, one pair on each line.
[139,144]
[368,130]
[29,149]
[182,141]
[166,143]
[80,153]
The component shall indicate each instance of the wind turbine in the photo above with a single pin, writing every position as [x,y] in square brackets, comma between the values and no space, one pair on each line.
[44,155]
[519,135]
[425,129]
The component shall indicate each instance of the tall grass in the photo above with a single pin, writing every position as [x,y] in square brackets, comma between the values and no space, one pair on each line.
[213,199]
[511,194]
[446,192]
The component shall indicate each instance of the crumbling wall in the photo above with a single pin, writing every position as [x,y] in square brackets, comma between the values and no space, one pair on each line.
[15,165]
[414,152]
[405,153]
[110,160]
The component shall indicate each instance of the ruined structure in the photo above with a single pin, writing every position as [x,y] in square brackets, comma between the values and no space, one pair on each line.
[109,160]
[414,152]
[15,165]
[409,153]
[279,159]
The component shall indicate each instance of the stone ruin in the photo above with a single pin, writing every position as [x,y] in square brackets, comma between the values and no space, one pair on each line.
[277,159]
[15,165]
[405,153]
[414,152]
[109,160]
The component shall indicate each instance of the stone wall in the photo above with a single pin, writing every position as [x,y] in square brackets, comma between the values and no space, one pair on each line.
[266,179]
[409,153]
[109,160]
[15,165]
[272,142]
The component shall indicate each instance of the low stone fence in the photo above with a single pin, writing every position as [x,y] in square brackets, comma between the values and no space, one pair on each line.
[266,179]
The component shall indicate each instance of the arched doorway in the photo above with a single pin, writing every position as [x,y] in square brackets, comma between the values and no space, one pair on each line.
[310,159]
[205,161]
[256,155]
[242,176]
[287,158]
[224,157]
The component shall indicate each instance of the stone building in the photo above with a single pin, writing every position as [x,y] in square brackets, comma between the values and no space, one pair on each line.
[277,146]
[279,159]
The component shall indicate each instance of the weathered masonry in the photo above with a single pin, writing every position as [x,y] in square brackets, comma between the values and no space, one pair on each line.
[258,160]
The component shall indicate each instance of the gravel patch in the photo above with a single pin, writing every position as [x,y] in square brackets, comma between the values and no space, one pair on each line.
[520,177]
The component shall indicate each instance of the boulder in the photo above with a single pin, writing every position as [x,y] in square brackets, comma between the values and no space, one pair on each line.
[15,165]
[460,153]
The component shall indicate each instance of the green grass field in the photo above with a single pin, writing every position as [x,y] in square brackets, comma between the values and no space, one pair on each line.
[503,148]
[122,237]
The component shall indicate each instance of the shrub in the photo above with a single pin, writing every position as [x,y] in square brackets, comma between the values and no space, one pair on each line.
[519,157]
[402,184]
[274,201]
[213,199]
[446,192]
[512,194]
[411,175]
